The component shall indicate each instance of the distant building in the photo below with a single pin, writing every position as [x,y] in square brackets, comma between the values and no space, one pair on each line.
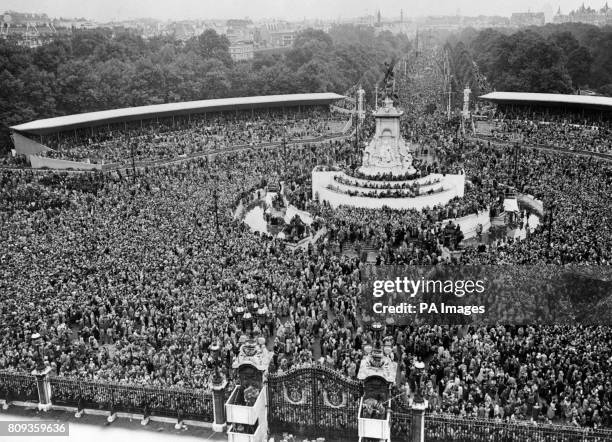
[183,30]
[456,22]
[30,30]
[242,50]
[588,15]
[275,35]
[23,18]
[520,19]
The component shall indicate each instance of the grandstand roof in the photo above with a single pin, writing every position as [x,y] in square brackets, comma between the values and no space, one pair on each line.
[91,119]
[579,101]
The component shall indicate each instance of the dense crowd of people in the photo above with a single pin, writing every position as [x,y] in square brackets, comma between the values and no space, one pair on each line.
[546,374]
[564,130]
[200,134]
[130,279]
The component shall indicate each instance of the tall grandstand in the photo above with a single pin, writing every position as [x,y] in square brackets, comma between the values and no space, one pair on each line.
[573,122]
[78,141]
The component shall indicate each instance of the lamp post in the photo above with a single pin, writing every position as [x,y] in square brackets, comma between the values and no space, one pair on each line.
[377,353]
[37,342]
[418,405]
[247,323]
[517,154]
[551,212]
[261,316]
[251,302]
[418,394]
[215,196]
[376,331]
[284,148]
[133,162]
[238,314]
[388,345]
[356,153]
[215,351]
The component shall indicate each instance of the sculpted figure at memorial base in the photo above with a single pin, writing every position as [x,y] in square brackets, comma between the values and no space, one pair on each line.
[387,152]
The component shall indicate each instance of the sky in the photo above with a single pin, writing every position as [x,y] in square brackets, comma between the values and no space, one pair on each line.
[107,10]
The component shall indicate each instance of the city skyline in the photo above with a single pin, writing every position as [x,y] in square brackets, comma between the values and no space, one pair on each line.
[115,10]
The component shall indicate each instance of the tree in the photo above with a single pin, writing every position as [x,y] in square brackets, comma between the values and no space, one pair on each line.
[49,57]
[313,39]
[209,44]
[523,61]
[101,69]
[579,63]
[85,42]
[216,79]
[583,53]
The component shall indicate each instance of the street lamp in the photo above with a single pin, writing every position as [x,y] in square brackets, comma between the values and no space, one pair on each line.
[419,367]
[251,303]
[551,212]
[517,151]
[377,330]
[37,342]
[133,162]
[215,196]
[377,353]
[215,351]
[238,314]
[247,322]
[388,345]
[284,148]
[261,316]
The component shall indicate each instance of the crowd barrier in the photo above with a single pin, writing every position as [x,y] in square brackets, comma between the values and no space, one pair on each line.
[82,394]
[197,406]
[442,428]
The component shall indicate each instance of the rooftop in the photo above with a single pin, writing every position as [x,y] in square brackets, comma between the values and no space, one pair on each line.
[91,119]
[580,101]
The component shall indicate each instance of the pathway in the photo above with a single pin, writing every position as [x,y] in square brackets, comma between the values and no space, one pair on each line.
[93,428]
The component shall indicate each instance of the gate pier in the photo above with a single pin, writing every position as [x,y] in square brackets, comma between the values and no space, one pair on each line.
[246,408]
[378,373]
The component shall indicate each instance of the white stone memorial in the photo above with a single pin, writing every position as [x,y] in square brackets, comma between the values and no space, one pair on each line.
[387,152]
[386,177]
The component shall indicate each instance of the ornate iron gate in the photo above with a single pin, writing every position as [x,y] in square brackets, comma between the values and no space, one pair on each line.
[314,401]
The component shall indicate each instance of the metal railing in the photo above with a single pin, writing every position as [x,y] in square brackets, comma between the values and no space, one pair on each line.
[303,399]
[401,425]
[442,428]
[18,387]
[167,402]
[191,404]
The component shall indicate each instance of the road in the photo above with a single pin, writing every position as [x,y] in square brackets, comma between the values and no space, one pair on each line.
[91,428]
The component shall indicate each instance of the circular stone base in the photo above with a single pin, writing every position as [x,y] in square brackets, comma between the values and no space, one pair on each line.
[395,171]
[326,188]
